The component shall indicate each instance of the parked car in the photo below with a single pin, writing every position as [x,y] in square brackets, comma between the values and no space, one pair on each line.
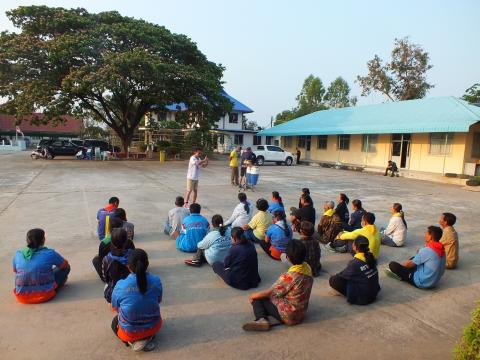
[102,144]
[60,147]
[4,140]
[272,153]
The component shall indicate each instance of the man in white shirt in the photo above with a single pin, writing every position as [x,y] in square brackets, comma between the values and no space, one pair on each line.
[193,174]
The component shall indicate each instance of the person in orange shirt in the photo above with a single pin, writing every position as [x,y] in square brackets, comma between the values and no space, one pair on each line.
[449,239]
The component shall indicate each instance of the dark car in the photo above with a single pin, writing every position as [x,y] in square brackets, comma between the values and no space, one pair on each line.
[4,140]
[61,147]
[77,142]
[102,144]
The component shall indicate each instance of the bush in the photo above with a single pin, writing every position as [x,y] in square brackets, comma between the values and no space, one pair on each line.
[468,348]
[163,144]
[473,182]
[142,147]
[173,150]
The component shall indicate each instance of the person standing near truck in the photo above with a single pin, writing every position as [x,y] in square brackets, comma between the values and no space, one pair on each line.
[234,154]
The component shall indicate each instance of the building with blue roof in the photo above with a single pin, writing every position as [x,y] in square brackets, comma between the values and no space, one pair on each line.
[438,135]
[230,128]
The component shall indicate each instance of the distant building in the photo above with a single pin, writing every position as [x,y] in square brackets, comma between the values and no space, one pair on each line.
[70,128]
[230,129]
[436,135]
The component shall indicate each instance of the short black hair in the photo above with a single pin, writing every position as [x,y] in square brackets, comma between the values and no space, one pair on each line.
[120,213]
[262,204]
[449,218]
[195,208]
[118,240]
[179,201]
[296,252]
[35,238]
[115,222]
[369,218]
[307,198]
[306,191]
[307,228]
[114,200]
[435,232]
[238,234]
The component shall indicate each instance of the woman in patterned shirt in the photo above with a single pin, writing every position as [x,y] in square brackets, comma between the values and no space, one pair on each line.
[287,300]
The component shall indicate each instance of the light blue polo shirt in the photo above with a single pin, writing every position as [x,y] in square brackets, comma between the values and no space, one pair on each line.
[194,229]
[430,268]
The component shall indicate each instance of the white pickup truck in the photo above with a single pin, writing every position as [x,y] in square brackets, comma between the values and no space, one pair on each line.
[272,153]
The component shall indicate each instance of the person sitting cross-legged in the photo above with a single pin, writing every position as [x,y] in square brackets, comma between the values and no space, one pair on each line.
[256,228]
[369,230]
[427,267]
[40,272]
[240,267]
[276,203]
[173,224]
[358,282]
[392,168]
[194,229]
[242,213]
[128,226]
[330,224]
[449,239]
[396,232]
[287,300]
[214,246]
[312,246]
[103,217]
[277,236]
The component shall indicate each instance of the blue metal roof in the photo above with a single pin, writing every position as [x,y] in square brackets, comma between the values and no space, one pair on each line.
[441,114]
[237,105]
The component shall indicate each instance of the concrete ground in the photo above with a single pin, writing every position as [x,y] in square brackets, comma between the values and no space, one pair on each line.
[203,316]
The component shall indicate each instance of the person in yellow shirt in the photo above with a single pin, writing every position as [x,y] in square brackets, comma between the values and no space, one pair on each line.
[256,228]
[234,165]
[344,242]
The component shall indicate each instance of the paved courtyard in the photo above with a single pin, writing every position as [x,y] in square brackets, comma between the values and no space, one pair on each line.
[202,316]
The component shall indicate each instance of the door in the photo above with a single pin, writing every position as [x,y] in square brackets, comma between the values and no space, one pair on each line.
[274,153]
[308,144]
[401,150]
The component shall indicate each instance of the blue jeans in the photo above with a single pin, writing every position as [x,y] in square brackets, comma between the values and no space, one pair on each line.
[250,236]
[61,276]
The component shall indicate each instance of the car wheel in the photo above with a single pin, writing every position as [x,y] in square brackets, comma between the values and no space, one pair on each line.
[289,161]
[260,161]
[50,157]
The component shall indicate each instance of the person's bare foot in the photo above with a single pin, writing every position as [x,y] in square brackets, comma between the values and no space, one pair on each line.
[333,292]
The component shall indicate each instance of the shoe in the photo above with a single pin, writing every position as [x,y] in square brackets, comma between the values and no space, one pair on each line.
[194,263]
[257,325]
[138,345]
[151,345]
[330,248]
[392,275]
[341,249]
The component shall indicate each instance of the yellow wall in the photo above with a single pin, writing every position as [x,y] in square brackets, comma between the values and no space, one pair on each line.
[420,158]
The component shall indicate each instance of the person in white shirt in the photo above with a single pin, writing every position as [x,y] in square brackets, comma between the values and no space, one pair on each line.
[242,214]
[173,224]
[193,173]
[396,232]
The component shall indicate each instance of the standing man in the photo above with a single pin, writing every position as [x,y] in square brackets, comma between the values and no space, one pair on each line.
[193,174]
[234,165]
[247,155]
[298,156]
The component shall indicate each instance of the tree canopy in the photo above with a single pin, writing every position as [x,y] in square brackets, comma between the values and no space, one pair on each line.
[104,66]
[403,77]
[313,97]
[472,94]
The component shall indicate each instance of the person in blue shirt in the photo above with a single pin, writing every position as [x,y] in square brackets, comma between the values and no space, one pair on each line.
[40,272]
[276,203]
[240,267]
[136,299]
[194,229]
[103,217]
[425,269]
[214,246]
[277,236]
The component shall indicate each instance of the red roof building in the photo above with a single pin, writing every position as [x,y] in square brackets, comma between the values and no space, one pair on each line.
[71,126]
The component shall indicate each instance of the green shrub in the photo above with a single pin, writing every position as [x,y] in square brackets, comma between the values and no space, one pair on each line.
[163,144]
[473,182]
[142,147]
[468,348]
[173,150]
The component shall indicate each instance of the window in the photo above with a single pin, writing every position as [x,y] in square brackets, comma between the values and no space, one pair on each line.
[261,147]
[221,139]
[274,148]
[322,141]
[369,143]
[238,139]
[441,143]
[268,140]
[476,145]
[301,141]
[257,140]
[343,142]
[287,141]
[233,118]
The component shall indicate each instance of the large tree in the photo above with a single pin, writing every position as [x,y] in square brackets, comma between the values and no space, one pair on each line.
[104,66]
[338,94]
[403,77]
[472,94]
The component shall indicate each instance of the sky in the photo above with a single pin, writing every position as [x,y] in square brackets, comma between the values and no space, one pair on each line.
[269,47]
